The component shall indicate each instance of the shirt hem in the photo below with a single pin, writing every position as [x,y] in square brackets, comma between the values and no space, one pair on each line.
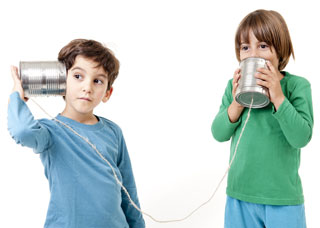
[266,201]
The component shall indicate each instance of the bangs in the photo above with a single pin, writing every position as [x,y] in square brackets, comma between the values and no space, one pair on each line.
[260,28]
[94,51]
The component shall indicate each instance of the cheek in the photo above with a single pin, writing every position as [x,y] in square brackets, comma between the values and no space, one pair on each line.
[274,60]
[101,93]
[68,82]
[273,57]
[243,56]
[71,89]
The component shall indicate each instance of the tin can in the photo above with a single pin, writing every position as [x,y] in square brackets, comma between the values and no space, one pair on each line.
[43,78]
[248,88]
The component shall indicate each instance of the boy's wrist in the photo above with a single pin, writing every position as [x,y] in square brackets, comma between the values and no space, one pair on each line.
[277,103]
[234,111]
[236,105]
[20,92]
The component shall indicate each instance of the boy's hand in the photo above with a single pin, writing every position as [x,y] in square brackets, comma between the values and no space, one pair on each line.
[270,78]
[17,86]
[235,109]
[235,84]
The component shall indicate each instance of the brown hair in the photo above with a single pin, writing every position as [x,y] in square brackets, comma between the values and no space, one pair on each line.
[93,50]
[269,27]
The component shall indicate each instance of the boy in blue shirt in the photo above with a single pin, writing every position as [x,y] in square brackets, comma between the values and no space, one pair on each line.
[84,192]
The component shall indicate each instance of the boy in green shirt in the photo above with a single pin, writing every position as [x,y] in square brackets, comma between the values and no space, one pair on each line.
[264,187]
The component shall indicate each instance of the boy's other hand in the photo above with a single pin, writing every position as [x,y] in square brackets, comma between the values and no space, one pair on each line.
[235,84]
[235,109]
[17,85]
[270,78]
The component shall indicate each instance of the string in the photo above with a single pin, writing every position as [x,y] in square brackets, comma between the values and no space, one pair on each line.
[126,191]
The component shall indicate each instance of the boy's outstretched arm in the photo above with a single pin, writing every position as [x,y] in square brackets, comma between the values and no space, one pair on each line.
[23,128]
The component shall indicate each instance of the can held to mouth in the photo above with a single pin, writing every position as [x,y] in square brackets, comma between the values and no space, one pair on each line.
[43,78]
[248,88]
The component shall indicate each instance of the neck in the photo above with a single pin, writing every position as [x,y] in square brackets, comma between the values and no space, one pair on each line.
[87,118]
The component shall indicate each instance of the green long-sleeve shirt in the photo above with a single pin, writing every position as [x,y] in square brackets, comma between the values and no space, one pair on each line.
[265,169]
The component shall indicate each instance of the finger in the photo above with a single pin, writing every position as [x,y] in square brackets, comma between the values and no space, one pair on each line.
[262,76]
[234,87]
[271,67]
[236,76]
[263,70]
[237,71]
[263,83]
[14,73]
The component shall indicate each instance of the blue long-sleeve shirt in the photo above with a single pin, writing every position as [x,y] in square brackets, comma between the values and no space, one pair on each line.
[84,192]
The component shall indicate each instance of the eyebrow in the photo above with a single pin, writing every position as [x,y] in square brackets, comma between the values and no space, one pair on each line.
[79,68]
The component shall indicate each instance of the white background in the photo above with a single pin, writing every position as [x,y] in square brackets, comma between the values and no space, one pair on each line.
[176,58]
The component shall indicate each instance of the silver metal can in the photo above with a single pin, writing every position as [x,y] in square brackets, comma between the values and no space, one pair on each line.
[43,78]
[248,88]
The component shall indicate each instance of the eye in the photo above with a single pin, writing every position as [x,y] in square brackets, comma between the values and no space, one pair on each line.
[244,47]
[98,81]
[77,76]
[264,46]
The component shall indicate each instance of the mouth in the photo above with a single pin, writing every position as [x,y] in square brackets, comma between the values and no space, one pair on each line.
[84,98]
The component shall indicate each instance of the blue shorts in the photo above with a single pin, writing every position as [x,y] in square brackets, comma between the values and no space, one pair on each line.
[240,214]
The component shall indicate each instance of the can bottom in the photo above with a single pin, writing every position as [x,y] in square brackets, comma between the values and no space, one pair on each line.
[260,100]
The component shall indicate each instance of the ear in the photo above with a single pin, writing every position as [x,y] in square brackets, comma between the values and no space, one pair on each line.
[107,95]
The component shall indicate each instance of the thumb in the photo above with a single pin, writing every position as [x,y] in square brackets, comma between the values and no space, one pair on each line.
[14,73]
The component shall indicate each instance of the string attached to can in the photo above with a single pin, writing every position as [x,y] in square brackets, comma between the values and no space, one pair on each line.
[126,191]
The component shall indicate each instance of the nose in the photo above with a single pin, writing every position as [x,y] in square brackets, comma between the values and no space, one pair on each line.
[87,87]
[253,53]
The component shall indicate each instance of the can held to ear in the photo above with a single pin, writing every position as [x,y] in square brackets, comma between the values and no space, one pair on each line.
[248,88]
[43,78]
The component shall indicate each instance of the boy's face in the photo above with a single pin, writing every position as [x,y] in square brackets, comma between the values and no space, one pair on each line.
[256,48]
[86,87]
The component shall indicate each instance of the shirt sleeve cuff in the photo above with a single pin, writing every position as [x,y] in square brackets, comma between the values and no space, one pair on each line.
[282,109]
[228,123]
[15,96]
